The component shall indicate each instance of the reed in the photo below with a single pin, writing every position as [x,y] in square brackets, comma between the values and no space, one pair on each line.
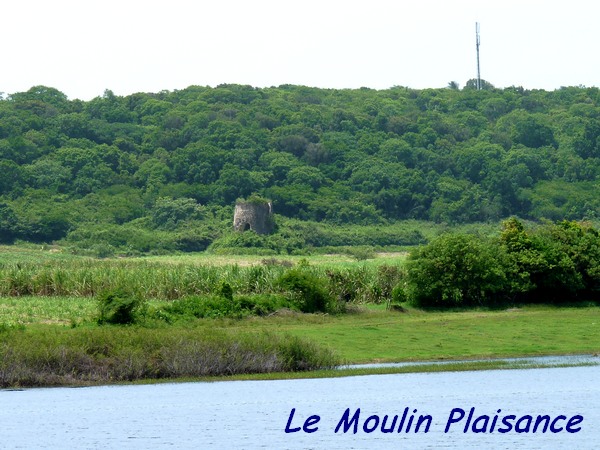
[169,281]
[53,356]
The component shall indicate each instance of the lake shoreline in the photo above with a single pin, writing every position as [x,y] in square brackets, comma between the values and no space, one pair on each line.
[422,341]
[390,368]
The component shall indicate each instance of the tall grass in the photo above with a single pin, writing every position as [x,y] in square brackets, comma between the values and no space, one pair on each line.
[86,278]
[16,311]
[169,281]
[58,356]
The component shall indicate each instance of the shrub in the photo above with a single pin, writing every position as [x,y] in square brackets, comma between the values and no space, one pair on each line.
[91,355]
[168,213]
[193,240]
[456,270]
[223,306]
[555,263]
[226,291]
[398,295]
[120,307]
[306,290]
[299,355]
[388,278]
[201,307]
[102,250]
[8,224]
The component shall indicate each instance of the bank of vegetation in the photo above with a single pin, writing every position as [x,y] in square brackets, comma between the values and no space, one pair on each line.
[56,356]
[519,264]
[442,173]
[552,263]
[68,319]
[270,281]
[160,172]
[283,345]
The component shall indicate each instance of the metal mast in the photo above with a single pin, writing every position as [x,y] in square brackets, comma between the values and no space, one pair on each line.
[477,40]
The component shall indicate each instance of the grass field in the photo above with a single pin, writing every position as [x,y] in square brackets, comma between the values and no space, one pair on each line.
[366,333]
[373,334]
[46,310]
[377,335]
[46,254]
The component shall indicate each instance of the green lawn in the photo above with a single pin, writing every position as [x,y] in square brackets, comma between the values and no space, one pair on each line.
[46,310]
[379,335]
[374,334]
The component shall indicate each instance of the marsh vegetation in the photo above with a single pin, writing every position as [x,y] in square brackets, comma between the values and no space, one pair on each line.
[74,320]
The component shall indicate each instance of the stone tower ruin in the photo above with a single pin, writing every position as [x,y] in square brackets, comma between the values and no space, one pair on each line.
[254,215]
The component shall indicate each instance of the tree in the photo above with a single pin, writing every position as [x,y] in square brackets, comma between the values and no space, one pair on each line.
[44,94]
[152,173]
[8,224]
[556,263]
[11,176]
[168,213]
[471,84]
[532,132]
[46,173]
[42,217]
[306,175]
[294,144]
[456,270]
[588,145]
[234,183]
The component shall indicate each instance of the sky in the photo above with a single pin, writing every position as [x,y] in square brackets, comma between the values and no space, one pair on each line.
[83,47]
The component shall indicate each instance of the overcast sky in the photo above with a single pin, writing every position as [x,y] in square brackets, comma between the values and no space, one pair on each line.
[83,47]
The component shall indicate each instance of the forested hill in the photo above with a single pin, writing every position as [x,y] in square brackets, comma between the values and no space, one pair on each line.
[336,156]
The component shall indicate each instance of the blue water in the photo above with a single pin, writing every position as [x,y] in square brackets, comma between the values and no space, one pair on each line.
[253,414]
[524,362]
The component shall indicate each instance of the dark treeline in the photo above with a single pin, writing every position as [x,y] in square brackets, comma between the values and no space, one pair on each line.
[134,167]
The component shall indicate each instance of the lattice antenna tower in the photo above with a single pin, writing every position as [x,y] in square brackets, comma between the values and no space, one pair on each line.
[477,42]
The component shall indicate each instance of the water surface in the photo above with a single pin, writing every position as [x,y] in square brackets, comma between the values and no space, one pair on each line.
[253,414]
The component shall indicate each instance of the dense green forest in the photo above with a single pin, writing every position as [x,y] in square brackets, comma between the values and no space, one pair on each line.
[163,170]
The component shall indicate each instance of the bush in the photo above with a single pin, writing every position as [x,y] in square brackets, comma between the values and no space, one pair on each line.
[226,291]
[306,291]
[398,295]
[102,250]
[119,307]
[126,238]
[168,213]
[202,307]
[457,270]
[223,306]
[192,240]
[8,224]
[555,263]
[299,355]
[92,355]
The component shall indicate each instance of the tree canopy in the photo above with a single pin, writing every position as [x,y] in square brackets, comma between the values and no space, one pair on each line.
[357,156]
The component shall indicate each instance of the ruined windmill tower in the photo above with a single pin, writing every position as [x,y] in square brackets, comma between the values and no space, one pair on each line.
[254,214]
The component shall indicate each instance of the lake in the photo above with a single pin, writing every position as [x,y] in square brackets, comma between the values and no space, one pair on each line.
[254,414]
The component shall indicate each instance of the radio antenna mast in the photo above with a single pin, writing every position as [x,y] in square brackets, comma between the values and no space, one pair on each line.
[477,41]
